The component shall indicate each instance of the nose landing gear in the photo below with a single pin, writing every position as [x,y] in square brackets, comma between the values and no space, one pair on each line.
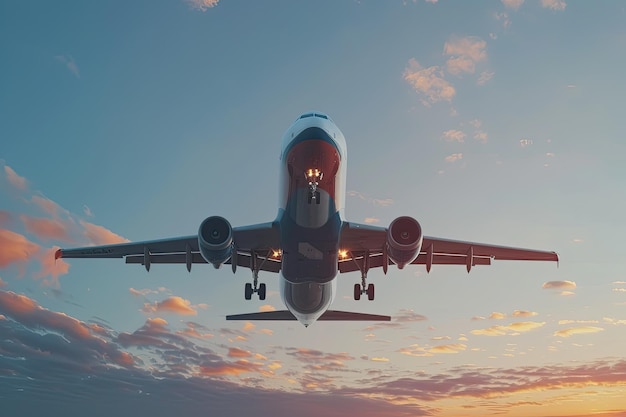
[313,177]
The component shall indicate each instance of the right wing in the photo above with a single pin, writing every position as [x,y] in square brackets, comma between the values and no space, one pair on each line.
[253,244]
[360,239]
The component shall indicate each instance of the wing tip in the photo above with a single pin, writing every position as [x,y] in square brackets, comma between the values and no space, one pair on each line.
[58,254]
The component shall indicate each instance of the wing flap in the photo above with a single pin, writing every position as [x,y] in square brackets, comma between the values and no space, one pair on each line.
[243,260]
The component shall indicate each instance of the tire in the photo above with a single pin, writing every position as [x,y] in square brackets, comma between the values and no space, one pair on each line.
[370,292]
[357,292]
[262,291]
[248,291]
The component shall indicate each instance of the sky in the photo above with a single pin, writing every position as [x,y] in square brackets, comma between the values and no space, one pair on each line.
[491,121]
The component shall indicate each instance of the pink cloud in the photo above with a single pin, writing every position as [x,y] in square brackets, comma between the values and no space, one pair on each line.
[231,368]
[454,135]
[172,304]
[454,157]
[202,5]
[51,267]
[234,352]
[464,53]
[46,229]
[558,5]
[5,217]
[512,4]
[14,179]
[15,248]
[99,235]
[47,205]
[2,283]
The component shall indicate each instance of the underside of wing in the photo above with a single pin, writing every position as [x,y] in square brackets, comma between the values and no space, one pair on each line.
[329,315]
[252,247]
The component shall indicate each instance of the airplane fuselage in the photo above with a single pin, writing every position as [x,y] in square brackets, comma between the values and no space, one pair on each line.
[311,207]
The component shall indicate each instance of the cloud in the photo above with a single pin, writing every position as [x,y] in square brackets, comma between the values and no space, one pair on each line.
[51,268]
[5,218]
[46,229]
[69,63]
[558,5]
[559,285]
[370,220]
[202,5]
[142,293]
[428,82]
[15,249]
[99,235]
[481,136]
[14,179]
[267,307]
[2,283]
[408,316]
[47,205]
[524,313]
[497,316]
[453,135]
[379,359]
[509,330]
[577,330]
[234,352]
[464,53]
[454,157]
[512,4]
[484,77]
[172,304]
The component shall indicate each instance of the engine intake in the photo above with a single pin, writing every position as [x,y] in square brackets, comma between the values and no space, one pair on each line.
[215,240]
[404,240]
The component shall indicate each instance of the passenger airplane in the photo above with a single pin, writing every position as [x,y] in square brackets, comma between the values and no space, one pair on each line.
[309,242]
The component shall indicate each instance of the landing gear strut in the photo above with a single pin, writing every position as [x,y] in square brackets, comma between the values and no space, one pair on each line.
[255,287]
[363,287]
[313,177]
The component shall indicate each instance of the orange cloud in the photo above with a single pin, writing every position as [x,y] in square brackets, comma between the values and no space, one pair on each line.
[454,136]
[559,285]
[524,313]
[267,307]
[577,330]
[451,348]
[15,248]
[234,352]
[14,179]
[99,235]
[172,304]
[46,229]
[511,329]
[230,368]
[497,316]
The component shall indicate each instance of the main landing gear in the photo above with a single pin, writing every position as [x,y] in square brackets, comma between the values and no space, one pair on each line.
[363,287]
[255,287]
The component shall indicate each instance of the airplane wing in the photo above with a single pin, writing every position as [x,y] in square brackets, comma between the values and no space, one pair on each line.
[257,240]
[360,240]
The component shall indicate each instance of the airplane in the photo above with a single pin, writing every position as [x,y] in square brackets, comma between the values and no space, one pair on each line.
[309,242]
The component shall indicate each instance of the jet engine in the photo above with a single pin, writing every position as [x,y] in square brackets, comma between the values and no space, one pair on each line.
[404,240]
[215,240]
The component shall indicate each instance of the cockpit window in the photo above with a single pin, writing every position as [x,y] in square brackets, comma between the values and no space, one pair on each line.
[304,116]
[323,116]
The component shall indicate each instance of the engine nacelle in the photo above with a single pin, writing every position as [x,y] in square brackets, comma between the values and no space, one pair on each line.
[215,240]
[404,240]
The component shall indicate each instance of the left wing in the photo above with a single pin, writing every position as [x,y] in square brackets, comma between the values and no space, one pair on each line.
[360,239]
[256,241]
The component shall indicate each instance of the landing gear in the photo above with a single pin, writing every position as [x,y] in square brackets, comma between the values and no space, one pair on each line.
[364,266]
[255,287]
[313,177]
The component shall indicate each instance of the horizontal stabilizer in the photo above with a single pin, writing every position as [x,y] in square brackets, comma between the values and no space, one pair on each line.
[329,315]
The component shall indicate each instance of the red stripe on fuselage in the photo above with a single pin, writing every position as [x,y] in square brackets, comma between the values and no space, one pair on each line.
[313,154]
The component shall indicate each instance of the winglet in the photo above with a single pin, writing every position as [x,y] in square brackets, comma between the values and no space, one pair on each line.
[58,254]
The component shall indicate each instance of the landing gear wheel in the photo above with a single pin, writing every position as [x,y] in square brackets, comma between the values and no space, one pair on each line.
[357,291]
[370,292]
[262,291]
[248,291]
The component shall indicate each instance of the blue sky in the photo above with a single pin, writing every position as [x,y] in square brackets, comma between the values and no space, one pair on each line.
[496,122]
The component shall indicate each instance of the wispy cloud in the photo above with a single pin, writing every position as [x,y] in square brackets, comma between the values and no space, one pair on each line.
[14,179]
[512,4]
[454,135]
[46,229]
[454,157]
[428,82]
[464,53]
[558,5]
[484,77]
[69,63]
[202,5]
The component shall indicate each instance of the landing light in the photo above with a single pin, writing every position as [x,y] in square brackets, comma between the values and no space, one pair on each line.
[343,254]
[276,253]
